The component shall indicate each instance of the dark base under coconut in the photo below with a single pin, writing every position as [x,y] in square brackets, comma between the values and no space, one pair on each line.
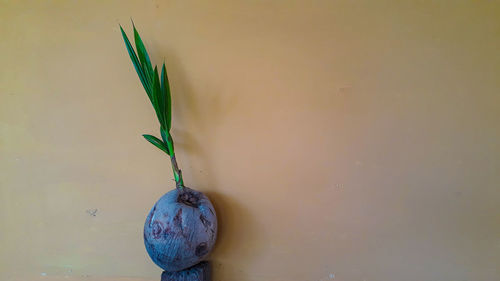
[198,272]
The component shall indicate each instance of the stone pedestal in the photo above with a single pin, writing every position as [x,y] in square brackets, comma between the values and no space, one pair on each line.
[198,272]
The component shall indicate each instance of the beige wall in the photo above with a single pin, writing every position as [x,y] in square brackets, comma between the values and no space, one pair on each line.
[345,140]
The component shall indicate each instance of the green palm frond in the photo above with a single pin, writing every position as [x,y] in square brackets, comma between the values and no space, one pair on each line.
[137,64]
[155,84]
[157,142]
[165,89]
[157,88]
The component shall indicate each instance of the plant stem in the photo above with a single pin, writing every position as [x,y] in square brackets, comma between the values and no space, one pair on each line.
[167,138]
[179,182]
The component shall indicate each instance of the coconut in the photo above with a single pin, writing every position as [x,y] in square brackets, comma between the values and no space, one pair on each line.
[180,230]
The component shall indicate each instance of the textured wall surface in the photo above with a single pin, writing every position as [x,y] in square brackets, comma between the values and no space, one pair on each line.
[345,140]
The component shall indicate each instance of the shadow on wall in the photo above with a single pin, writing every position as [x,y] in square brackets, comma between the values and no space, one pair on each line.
[237,230]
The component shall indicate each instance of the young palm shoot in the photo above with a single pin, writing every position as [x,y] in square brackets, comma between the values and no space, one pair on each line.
[158,90]
[181,228]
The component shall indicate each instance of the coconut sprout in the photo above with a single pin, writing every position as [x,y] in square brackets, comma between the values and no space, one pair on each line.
[158,90]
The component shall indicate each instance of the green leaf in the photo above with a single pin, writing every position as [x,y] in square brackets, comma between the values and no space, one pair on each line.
[156,142]
[165,89]
[161,100]
[157,97]
[143,55]
[167,139]
[164,134]
[137,65]
[169,143]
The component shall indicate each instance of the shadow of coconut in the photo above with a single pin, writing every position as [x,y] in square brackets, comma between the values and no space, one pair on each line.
[238,239]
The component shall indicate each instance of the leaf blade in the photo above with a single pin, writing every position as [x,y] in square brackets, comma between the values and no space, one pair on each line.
[143,55]
[165,88]
[157,97]
[157,142]
[136,63]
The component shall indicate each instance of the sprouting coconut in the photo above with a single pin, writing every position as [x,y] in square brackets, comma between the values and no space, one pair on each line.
[181,228]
